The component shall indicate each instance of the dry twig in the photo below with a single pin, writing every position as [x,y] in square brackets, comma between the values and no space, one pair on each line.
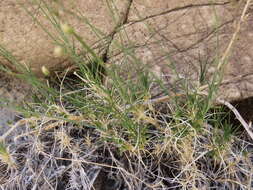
[238,116]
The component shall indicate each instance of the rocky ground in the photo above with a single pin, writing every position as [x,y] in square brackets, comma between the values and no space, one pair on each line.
[12,91]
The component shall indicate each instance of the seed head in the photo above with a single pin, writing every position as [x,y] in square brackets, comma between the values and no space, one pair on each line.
[67,29]
[58,51]
[45,71]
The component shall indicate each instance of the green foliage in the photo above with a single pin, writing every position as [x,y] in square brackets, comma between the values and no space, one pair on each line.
[119,108]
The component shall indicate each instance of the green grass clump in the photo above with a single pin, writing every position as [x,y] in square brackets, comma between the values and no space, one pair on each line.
[101,123]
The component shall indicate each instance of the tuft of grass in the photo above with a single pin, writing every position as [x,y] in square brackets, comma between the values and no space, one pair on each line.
[96,125]
[5,156]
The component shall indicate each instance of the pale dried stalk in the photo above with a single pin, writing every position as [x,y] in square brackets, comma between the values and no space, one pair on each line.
[223,58]
[17,124]
[238,116]
[231,43]
[237,30]
[97,164]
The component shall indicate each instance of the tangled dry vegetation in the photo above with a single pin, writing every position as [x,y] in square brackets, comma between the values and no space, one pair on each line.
[106,144]
[80,132]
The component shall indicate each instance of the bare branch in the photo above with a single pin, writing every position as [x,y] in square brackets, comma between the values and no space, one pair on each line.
[238,116]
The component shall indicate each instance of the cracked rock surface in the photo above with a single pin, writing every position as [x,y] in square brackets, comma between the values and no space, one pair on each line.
[182,36]
[27,40]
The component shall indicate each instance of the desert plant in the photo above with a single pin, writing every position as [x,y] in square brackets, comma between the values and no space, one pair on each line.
[95,125]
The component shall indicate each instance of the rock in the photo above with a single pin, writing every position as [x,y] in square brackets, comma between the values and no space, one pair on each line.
[14,91]
[31,45]
[185,37]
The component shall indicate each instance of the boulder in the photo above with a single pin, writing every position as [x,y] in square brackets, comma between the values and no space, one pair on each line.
[25,25]
[187,38]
